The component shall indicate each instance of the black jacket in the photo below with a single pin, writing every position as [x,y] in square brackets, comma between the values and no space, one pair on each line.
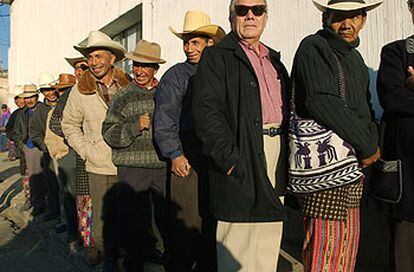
[228,119]
[10,125]
[36,127]
[398,104]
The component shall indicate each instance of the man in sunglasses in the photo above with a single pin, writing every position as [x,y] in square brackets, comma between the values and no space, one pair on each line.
[128,131]
[80,65]
[239,113]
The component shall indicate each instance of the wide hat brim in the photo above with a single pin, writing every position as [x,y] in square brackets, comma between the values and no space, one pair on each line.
[73,61]
[347,6]
[62,86]
[213,31]
[27,95]
[116,48]
[143,59]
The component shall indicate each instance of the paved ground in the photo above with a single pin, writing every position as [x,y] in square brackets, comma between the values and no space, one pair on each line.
[30,244]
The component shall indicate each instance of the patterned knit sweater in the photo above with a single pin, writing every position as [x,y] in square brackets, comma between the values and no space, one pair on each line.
[130,147]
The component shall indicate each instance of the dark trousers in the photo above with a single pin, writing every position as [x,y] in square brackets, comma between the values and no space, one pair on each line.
[136,188]
[67,183]
[404,246]
[103,189]
[374,254]
[34,168]
[192,238]
[52,185]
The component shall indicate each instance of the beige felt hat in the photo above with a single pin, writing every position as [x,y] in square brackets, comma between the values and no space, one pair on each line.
[73,61]
[146,52]
[346,5]
[99,40]
[197,22]
[29,91]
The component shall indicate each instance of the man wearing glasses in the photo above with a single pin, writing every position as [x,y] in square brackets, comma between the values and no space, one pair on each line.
[239,113]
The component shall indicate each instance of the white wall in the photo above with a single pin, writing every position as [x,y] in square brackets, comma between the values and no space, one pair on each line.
[43,32]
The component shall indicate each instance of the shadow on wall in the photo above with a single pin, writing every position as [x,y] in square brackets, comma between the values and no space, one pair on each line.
[374,96]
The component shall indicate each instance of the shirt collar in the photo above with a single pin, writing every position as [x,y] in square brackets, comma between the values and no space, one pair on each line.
[263,50]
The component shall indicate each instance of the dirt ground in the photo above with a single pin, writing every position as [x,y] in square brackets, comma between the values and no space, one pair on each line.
[30,244]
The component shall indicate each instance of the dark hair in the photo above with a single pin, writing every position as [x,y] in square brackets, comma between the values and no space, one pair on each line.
[3,106]
[191,36]
[156,66]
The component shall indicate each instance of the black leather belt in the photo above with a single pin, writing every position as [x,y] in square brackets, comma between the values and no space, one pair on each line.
[272,132]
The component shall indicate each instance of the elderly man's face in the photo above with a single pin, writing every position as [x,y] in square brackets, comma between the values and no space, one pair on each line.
[31,101]
[100,62]
[249,27]
[347,24]
[20,102]
[194,47]
[50,94]
[80,68]
[144,73]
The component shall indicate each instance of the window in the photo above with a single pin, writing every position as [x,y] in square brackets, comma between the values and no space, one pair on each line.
[128,38]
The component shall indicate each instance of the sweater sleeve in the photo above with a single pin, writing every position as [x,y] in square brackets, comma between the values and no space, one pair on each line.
[210,121]
[116,132]
[394,97]
[38,128]
[319,73]
[168,103]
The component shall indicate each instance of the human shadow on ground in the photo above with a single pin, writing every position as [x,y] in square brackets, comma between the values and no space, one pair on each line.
[8,173]
[7,196]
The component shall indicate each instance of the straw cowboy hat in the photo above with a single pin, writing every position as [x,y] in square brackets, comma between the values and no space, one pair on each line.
[346,5]
[65,81]
[198,23]
[45,81]
[29,91]
[18,89]
[146,52]
[99,40]
[73,61]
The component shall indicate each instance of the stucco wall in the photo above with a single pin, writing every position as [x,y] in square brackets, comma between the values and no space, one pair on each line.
[44,31]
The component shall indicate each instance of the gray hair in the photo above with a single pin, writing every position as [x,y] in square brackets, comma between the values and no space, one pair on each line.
[231,8]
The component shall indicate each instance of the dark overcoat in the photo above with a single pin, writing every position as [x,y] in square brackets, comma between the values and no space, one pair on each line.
[228,119]
[398,103]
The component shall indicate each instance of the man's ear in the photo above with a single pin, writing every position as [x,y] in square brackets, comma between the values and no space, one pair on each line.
[210,42]
[113,58]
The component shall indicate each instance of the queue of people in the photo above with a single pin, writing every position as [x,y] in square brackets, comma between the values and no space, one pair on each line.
[209,151]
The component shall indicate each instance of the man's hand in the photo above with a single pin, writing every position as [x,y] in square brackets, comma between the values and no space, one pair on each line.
[367,162]
[180,167]
[144,122]
[409,82]
[230,170]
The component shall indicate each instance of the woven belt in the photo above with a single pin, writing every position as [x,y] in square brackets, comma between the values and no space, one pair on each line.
[272,132]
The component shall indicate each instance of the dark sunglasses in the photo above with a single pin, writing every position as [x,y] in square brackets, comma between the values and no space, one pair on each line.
[257,10]
[83,67]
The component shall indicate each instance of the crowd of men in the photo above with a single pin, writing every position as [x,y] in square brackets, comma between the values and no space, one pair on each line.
[203,152]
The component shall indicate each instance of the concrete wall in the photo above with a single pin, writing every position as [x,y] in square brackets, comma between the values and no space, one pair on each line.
[43,31]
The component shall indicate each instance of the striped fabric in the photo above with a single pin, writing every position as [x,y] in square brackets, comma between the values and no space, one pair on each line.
[331,246]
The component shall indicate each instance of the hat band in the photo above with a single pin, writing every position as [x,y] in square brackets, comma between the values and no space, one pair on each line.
[147,57]
[345,1]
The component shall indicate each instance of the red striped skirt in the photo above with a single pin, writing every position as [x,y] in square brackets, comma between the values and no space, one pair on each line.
[331,246]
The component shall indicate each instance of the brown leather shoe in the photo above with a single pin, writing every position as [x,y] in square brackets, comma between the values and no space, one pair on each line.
[93,257]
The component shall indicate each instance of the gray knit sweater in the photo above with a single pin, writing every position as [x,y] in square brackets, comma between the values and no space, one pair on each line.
[130,147]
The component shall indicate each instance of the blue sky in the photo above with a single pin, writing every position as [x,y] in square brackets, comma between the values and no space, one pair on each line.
[4,34]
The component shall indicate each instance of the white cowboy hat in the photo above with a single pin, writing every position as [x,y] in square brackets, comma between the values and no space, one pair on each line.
[73,61]
[97,40]
[146,52]
[45,80]
[29,91]
[346,5]
[18,89]
[197,22]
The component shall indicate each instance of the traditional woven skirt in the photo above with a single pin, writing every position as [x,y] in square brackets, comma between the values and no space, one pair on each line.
[332,228]
[84,203]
